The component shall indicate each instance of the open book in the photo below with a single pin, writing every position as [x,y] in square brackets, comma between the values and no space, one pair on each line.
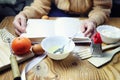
[39,28]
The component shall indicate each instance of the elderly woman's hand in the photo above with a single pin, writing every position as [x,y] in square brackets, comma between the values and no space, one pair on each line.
[88,28]
[20,24]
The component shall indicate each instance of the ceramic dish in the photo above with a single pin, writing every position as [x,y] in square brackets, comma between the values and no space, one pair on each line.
[51,44]
[109,34]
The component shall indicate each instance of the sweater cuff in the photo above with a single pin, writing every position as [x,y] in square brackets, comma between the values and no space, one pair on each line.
[98,19]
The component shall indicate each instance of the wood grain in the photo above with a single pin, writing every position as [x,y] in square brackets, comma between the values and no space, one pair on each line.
[71,68]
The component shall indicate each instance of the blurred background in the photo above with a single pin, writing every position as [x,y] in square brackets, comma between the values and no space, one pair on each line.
[12,7]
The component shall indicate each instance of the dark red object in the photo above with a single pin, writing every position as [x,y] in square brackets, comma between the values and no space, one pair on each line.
[97,38]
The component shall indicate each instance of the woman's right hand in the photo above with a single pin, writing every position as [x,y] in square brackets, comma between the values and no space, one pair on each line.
[20,23]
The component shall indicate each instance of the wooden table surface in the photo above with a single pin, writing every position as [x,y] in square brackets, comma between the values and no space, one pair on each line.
[70,68]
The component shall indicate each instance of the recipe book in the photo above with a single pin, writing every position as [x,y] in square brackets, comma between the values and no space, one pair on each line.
[39,28]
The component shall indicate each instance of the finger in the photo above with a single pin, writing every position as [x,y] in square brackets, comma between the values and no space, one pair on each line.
[88,31]
[89,35]
[23,23]
[83,28]
[17,32]
[93,33]
[17,25]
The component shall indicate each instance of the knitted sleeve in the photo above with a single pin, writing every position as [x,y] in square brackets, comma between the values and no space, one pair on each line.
[101,11]
[37,9]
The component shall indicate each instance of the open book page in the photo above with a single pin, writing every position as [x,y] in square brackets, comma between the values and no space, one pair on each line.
[37,28]
[68,27]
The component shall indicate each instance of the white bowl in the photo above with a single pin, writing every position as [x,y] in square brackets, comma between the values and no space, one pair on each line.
[50,44]
[109,34]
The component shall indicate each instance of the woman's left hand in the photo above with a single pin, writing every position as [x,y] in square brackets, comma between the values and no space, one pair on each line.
[88,28]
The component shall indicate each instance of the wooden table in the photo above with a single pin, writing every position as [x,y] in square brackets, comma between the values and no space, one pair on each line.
[70,68]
